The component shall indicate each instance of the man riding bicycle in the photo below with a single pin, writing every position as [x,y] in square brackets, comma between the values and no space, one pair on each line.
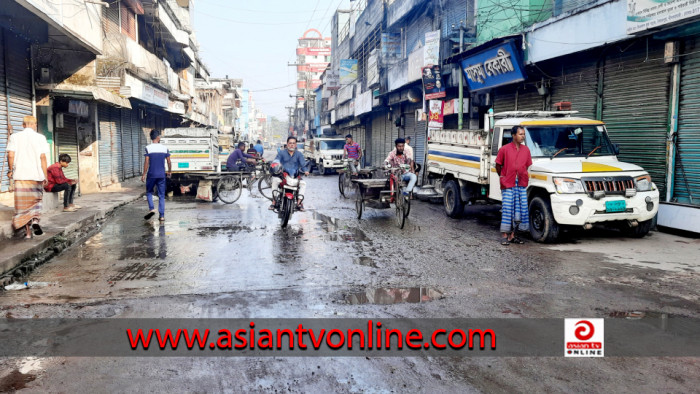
[396,159]
[239,160]
[353,152]
[292,161]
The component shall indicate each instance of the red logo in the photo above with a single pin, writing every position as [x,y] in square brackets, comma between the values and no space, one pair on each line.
[584,332]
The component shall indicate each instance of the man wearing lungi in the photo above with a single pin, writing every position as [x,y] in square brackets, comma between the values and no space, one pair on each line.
[27,157]
[512,163]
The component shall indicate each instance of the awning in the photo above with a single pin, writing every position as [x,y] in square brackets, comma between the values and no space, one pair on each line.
[86,93]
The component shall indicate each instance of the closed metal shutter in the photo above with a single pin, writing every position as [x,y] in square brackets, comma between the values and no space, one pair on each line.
[67,142]
[378,137]
[127,153]
[686,179]
[420,141]
[106,133]
[577,84]
[415,32]
[635,107]
[17,91]
[454,15]
[137,142]
[117,161]
[504,99]
[529,99]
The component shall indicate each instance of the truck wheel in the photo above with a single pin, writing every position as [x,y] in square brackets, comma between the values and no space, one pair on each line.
[640,231]
[543,227]
[452,199]
[321,169]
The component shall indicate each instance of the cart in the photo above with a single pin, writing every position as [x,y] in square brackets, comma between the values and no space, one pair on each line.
[345,185]
[228,185]
[382,194]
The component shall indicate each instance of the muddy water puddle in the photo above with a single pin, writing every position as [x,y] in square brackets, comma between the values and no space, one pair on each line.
[337,231]
[394,295]
[139,271]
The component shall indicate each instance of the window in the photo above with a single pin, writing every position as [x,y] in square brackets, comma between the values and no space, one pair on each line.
[568,141]
[128,21]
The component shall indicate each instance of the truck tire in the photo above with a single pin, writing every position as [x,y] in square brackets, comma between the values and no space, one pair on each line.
[543,227]
[321,169]
[452,199]
[640,231]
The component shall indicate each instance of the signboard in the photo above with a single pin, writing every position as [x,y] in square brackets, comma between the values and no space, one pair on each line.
[643,15]
[176,107]
[431,52]
[452,107]
[373,69]
[432,83]
[493,67]
[348,71]
[391,47]
[415,65]
[346,94]
[363,104]
[436,118]
[332,81]
[146,92]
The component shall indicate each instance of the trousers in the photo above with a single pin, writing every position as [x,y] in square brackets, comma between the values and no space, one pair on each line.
[159,184]
[69,192]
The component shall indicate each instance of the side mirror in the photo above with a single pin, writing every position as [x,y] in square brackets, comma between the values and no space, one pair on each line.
[616,149]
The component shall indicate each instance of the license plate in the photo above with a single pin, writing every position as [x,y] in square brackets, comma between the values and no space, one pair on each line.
[615,206]
[183,165]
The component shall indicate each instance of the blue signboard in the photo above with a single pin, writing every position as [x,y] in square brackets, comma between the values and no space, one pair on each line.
[493,67]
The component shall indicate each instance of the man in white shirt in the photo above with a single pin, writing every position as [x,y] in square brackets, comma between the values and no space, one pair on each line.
[27,157]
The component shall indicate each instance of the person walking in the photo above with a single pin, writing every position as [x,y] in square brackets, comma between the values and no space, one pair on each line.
[512,163]
[259,148]
[27,155]
[154,174]
[59,183]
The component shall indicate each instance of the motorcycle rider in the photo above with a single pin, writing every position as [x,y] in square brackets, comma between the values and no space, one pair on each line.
[292,161]
[396,158]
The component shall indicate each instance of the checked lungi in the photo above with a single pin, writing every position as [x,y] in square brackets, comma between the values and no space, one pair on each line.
[28,195]
[515,209]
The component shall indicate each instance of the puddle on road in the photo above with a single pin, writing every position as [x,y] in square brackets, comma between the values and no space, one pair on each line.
[394,295]
[15,381]
[219,230]
[138,271]
[339,232]
[365,261]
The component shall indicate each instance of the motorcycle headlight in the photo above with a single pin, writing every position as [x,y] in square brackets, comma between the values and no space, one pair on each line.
[568,186]
[643,183]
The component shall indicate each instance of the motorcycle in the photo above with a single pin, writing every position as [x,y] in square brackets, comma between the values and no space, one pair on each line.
[287,197]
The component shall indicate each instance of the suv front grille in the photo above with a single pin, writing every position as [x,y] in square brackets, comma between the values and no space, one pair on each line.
[609,185]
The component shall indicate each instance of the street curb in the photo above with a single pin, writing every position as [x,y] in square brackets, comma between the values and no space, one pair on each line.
[25,262]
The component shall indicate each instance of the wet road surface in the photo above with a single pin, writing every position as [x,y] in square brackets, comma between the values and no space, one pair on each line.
[211,260]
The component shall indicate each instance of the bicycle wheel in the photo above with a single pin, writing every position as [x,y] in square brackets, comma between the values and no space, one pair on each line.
[265,186]
[229,189]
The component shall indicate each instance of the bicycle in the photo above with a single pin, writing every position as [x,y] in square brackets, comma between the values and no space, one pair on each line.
[346,186]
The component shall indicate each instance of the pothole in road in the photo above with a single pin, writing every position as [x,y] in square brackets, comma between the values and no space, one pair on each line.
[365,261]
[339,232]
[394,295]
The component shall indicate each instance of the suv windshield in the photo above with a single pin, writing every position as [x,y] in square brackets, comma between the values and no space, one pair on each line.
[331,145]
[547,141]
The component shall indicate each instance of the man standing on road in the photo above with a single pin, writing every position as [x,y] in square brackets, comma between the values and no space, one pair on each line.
[292,161]
[154,174]
[259,148]
[512,163]
[27,155]
[397,158]
[353,152]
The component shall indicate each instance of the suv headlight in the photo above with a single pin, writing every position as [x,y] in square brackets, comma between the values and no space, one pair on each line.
[643,183]
[568,185]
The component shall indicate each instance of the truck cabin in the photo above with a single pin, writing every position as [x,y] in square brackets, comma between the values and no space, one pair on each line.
[330,144]
[552,140]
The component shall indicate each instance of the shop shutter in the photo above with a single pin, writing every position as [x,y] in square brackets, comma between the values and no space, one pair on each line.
[67,142]
[378,136]
[454,15]
[635,107]
[577,84]
[686,179]
[529,99]
[4,128]
[17,89]
[127,153]
[415,32]
[117,161]
[420,141]
[106,131]
[137,142]
[504,99]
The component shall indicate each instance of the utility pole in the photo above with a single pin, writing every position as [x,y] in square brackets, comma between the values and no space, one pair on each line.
[460,115]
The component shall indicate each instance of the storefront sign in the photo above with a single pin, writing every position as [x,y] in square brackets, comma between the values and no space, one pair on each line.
[176,107]
[146,92]
[432,83]
[363,104]
[643,15]
[431,53]
[493,67]
[391,47]
[332,81]
[348,71]
[415,65]
[373,69]
[436,118]
[452,107]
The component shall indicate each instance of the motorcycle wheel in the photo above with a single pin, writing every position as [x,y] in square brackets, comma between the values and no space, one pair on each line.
[286,211]
[265,186]
[229,189]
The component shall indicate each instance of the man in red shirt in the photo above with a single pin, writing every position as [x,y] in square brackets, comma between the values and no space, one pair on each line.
[57,182]
[512,163]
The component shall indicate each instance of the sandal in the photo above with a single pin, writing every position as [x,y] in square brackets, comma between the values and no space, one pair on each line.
[149,215]
[37,229]
[505,242]
[517,241]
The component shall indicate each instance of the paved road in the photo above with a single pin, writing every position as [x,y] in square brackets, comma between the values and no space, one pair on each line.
[211,260]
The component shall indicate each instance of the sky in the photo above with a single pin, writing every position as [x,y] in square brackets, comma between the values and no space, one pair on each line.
[256,39]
